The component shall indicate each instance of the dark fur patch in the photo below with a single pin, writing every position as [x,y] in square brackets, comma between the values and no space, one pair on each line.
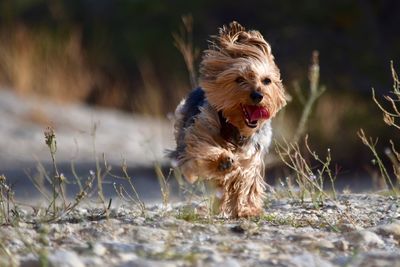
[190,110]
[192,106]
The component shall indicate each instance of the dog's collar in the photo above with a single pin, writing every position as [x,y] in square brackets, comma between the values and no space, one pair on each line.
[230,133]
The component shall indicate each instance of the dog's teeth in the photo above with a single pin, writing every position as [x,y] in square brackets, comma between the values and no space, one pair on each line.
[249,123]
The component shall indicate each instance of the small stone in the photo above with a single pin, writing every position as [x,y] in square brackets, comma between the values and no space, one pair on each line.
[214,258]
[127,256]
[302,237]
[342,245]
[146,263]
[309,260]
[246,226]
[139,220]
[148,234]
[99,249]
[169,222]
[92,261]
[341,260]
[324,244]
[29,261]
[228,262]
[393,207]
[117,247]
[64,258]
[237,229]
[392,229]
[365,238]
[348,227]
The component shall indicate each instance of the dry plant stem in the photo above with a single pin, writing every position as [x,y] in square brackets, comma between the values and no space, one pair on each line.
[121,191]
[83,193]
[184,43]
[188,191]
[73,170]
[325,165]
[391,116]
[98,169]
[315,92]
[371,144]
[57,180]
[38,187]
[3,188]
[394,157]
[164,187]
[396,153]
[127,197]
[292,157]
[125,171]
[78,180]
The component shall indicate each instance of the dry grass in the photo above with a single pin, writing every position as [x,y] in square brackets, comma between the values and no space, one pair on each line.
[184,43]
[391,116]
[315,91]
[309,178]
[55,66]
[33,62]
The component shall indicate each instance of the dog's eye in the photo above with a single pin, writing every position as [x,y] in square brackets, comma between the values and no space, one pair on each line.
[240,80]
[266,81]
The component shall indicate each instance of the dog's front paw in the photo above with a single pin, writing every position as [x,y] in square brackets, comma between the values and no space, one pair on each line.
[225,164]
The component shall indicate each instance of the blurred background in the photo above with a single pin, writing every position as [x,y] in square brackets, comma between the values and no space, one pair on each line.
[114,64]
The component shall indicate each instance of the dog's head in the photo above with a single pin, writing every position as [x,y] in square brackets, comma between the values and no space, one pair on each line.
[241,79]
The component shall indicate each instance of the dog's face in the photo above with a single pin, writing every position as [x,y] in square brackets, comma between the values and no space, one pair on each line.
[241,79]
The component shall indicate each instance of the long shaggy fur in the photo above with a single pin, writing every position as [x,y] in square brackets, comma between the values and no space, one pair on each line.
[215,138]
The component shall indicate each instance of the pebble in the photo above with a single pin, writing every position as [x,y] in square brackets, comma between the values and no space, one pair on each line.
[392,229]
[365,239]
[64,258]
[309,260]
[117,247]
[146,263]
[342,245]
[99,249]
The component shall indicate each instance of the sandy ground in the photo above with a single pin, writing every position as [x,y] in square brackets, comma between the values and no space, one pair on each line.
[139,140]
[356,230]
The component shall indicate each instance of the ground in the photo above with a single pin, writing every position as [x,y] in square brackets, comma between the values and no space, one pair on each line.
[355,230]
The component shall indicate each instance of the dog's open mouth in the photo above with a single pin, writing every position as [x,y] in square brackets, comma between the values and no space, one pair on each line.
[252,114]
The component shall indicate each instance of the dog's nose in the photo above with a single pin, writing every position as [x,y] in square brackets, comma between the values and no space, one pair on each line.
[256,97]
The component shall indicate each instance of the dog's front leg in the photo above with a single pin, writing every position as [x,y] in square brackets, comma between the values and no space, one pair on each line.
[207,161]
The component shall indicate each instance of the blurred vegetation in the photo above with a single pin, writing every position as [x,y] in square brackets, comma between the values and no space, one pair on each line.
[122,54]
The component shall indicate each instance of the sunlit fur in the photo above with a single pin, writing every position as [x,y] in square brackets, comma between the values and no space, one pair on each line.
[237,63]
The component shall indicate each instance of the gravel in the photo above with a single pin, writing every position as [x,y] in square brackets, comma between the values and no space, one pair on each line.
[355,230]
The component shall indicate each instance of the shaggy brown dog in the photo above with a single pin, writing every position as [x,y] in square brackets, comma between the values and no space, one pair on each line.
[223,128]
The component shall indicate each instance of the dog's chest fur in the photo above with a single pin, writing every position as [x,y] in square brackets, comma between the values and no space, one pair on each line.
[196,109]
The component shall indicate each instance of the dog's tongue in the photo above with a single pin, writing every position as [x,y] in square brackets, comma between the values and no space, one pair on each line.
[256,113]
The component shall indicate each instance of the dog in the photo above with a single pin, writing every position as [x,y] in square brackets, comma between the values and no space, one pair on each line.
[223,128]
